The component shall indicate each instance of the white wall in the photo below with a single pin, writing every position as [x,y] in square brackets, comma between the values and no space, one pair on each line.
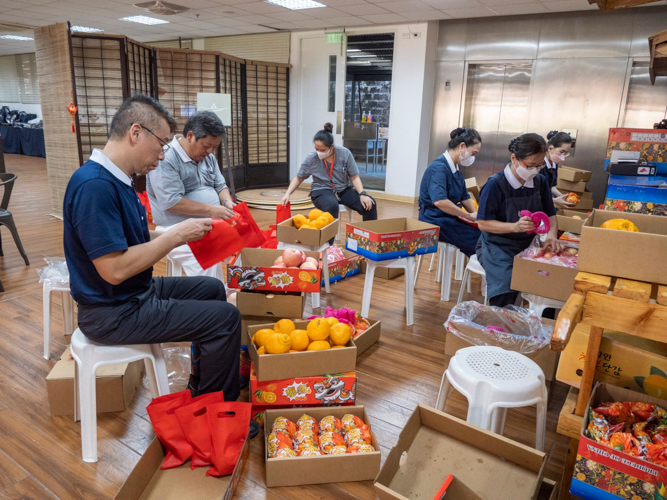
[28,108]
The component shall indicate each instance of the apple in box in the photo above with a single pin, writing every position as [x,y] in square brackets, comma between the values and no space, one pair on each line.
[293,257]
[309,265]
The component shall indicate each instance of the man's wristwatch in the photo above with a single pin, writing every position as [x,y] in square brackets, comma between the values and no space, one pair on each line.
[363,193]
[224,203]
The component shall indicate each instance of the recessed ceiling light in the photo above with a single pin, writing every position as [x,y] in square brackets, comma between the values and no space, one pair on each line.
[84,29]
[144,20]
[16,37]
[296,4]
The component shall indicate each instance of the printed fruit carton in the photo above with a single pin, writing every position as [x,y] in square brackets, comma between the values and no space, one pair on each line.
[326,390]
[344,268]
[258,411]
[254,270]
[392,238]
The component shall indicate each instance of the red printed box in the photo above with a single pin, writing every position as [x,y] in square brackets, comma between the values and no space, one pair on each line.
[345,267]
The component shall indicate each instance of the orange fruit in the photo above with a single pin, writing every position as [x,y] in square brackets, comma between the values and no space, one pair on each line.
[284,326]
[319,345]
[269,397]
[260,337]
[261,350]
[331,320]
[300,340]
[322,220]
[278,343]
[329,217]
[338,347]
[299,220]
[306,226]
[314,214]
[340,334]
[318,329]
[292,350]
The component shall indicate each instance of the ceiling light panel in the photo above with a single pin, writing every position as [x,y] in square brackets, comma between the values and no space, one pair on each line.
[144,20]
[296,4]
[84,29]
[16,37]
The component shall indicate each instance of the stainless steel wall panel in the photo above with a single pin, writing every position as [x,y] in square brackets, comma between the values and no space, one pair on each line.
[514,37]
[452,41]
[646,22]
[646,103]
[448,105]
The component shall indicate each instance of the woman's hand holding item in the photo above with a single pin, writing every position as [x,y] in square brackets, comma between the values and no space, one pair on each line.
[523,225]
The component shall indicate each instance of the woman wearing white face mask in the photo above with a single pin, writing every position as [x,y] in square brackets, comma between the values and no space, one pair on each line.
[558,149]
[335,178]
[503,197]
[443,189]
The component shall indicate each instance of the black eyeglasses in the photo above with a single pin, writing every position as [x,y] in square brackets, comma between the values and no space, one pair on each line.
[165,146]
[533,167]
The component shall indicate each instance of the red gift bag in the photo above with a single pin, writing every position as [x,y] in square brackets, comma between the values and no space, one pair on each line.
[168,430]
[252,235]
[219,243]
[283,213]
[228,424]
[192,419]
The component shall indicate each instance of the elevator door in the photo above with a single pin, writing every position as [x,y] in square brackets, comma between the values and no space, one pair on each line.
[496,105]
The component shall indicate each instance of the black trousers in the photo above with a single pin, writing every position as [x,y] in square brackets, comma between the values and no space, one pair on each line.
[504,299]
[191,309]
[327,201]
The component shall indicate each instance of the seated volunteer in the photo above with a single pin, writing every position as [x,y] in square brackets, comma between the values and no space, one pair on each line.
[335,178]
[188,183]
[503,197]
[443,189]
[110,255]
[558,148]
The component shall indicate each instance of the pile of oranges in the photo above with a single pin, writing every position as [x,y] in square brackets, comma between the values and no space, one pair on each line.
[316,220]
[321,333]
[307,438]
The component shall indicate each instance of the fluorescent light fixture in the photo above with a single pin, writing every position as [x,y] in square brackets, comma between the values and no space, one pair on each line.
[144,20]
[296,4]
[354,50]
[362,55]
[16,37]
[84,29]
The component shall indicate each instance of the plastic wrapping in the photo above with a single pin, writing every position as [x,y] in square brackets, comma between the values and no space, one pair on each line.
[177,360]
[567,258]
[55,273]
[512,328]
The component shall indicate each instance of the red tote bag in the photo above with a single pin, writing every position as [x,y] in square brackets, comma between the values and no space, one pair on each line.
[220,242]
[283,213]
[192,419]
[248,230]
[228,423]
[168,430]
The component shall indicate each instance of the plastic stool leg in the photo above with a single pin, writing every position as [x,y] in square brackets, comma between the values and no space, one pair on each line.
[441,262]
[430,266]
[88,409]
[442,393]
[68,313]
[466,279]
[178,269]
[368,288]
[46,306]
[537,310]
[325,271]
[479,416]
[541,424]
[498,420]
[419,266]
[460,263]
[410,291]
[469,283]
[446,285]
[160,370]
[316,299]
[149,366]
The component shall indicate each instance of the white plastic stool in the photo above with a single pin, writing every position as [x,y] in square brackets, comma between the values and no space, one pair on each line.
[407,263]
[443,274]
[89,357]
[460,264]
[174,268]
[325,265]
[473,267]
[493,380]
[537,304]
[341,209]
[67,304]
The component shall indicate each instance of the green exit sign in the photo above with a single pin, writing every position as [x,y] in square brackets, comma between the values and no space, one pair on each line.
[335,38]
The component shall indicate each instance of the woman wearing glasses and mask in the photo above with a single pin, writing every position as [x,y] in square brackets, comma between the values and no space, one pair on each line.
[443,192]
[558,149]
[335,178]
[504,232]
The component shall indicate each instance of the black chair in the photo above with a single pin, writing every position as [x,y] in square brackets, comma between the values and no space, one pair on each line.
[6,218]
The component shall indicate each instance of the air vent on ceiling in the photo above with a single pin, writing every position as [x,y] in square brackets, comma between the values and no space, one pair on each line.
[162,8]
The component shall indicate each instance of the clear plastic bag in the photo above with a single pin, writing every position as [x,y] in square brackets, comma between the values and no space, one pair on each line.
[567,258]
[55,273]
[177,360]
[512,328]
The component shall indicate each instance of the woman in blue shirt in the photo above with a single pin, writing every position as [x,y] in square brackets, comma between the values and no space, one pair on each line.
[558,149]
[443,189]
[518,187]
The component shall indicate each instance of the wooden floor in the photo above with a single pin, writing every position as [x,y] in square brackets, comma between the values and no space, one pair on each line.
[40,455]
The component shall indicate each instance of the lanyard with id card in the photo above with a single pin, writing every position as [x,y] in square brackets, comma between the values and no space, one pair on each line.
[331,170]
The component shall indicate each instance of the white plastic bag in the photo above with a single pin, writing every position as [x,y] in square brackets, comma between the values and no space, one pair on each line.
[55,273]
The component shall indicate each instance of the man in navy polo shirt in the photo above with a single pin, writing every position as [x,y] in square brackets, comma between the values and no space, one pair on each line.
[110,255]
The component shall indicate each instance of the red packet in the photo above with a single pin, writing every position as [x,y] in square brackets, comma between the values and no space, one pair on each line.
[192,419]
[228,423]
[218,244]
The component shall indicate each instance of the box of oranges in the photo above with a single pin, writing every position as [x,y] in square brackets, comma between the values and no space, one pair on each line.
[288,349]
[257,413]
[313,230]
[322,390]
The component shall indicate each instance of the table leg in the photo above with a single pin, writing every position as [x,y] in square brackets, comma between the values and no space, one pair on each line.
[566,479]
[588,376]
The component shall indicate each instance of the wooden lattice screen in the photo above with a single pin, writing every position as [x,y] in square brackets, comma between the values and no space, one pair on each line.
[140,69]
[231,82]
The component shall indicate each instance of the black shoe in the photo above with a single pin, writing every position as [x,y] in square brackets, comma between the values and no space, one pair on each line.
[253,430]
[243,382]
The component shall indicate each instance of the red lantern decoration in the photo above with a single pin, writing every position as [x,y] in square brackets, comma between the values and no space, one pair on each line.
[72,109]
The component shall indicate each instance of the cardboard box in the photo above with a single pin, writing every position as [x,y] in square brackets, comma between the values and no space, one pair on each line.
[585,203]
[386,273]
[569,224]
[472,187]
[259,411]
[572,174]
[545,357]
[253,271]
[625,254]
[345,268]
[274,305]
[327,390]
[548,490]
[570,187]
[247,321]
[300,364]
[286,232]
[546,280]
[322,469]
[623,360]
[605,473]
[392,238]
[433,445]
[148,482]
[115,385]
[367,338]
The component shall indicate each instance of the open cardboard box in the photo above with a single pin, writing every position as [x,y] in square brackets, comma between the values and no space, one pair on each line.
[585,202]
[367,338]
[341,269]
[573,174]
[433,445]
[253,270]
[115,384]
[286,232]
[148,482]
[392,238]
[543,279]
[273,305]
[571,221]
[472,187]
[300,364]
[567,186]
[322,469]
[625,254]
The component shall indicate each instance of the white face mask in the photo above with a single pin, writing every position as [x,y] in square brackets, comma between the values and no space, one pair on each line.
[557,158]
[466,159]
[324,155]
[526,174]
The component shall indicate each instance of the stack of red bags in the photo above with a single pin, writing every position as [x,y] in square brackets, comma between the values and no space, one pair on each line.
[205,430]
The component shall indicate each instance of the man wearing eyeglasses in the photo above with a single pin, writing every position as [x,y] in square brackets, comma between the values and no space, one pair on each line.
[188,183]
[110,255]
